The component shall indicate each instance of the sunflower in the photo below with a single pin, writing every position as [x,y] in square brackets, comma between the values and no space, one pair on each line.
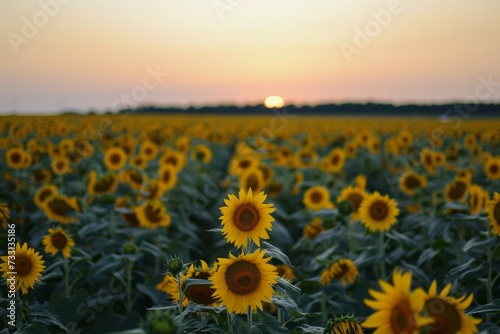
[456,190]
[15,157]
[199,293]
[57,240]
[447,313]
[317,198]
[28,267]
[115,158]
[438,159]
[167,176]
[426,160]
[409,182]
[103,185]
[298,179]
[351,149]
[493,211]
[378,212]
[285,272]
[464,174]
[133,177]
[397,310]
[246,216]
[149,150]
[343,325]
[360,182]
[59,208]
[155,189]
[84,148]
[343,270]
[241,164]
[129,217]
[305,157]
[470,141]
[175,159]
[267,173]
[492,168]
[244,282]
[152,214]
[312,229]
[335,160]
[252,179]
[405,139]
[42,175]
[139,162]
[478,199]
[61,165]
[4,215]
[355,196]
[43,194]
[201,153]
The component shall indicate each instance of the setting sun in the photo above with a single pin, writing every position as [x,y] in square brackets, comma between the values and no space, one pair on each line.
[274,102]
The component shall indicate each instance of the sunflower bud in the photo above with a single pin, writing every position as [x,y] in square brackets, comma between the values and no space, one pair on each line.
[129,248]
[160,322]
[347,324]
[345,207]
[174,265]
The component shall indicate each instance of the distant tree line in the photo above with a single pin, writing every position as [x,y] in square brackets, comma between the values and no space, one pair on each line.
[369,109]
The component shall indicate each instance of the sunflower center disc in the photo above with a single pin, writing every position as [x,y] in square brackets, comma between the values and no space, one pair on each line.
[402,319]
[166,176]
[316,197]
[457,190]
[44,194]
[243,278]
[494,169]
[152,213]
[379,211]
[171,160]
[59,206]
[335,160]
[244,164]
[496,213]
[59,240]
[115,159]
[23,266]
[412,182]
[246,217]
[15,157]
[253,182]
[356,200]
[200,294]
[446,317]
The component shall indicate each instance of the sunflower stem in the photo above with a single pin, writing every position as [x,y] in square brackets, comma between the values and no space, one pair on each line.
[229,323]
[181,293]
[249,317]
[112,226]
[129,268]
[489,290]
[461,238]
[382,254]
[324,302]
[67,287]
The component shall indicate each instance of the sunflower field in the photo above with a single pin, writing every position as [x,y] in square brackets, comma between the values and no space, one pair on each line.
[218,224]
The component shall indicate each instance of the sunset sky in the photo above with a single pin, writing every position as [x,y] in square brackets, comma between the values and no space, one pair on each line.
[88,54]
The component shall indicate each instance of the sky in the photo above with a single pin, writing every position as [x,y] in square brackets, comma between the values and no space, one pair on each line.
[104,55]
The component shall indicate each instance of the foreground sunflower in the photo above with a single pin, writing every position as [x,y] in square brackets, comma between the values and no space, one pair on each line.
[343,270]
[244,282]
[378,212]
[493,211]
[246,216]
[447,313]
[57,240]
[29,266]
[397,310]
[317,198]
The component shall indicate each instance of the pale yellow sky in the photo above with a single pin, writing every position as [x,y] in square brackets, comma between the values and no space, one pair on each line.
[89,54]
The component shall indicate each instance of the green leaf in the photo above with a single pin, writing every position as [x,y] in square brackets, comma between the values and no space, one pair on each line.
[492,307]
[276,253]
[466,270]
[286,287]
